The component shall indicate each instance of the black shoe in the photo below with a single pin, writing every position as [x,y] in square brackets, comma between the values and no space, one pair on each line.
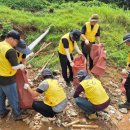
[20,117]
[5,114]
[125,105]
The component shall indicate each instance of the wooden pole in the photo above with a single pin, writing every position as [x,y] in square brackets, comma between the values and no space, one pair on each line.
[43,67]
[86,126]
[72,123]
[34,43]
[41,48]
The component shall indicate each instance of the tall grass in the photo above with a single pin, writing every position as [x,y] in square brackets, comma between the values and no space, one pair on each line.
[114,24]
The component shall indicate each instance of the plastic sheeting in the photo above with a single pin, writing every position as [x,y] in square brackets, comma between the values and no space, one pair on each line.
[98,56]
[79,64]
[25,98]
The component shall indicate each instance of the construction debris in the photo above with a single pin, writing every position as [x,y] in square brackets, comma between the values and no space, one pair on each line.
[123,110]
[72,115]
[86,126]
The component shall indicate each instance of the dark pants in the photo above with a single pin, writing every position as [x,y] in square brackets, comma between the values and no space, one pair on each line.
[64,62]
[85,105]
[42,108]
[86,49]
[127,87]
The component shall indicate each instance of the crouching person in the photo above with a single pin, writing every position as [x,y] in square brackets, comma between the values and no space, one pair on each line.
[96,98]
[55,99]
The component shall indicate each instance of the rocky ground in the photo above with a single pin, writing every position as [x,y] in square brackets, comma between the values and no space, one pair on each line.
[110,119]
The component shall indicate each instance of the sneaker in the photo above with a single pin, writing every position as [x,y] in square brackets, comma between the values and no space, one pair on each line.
[125,105]
[20,117]
[5,114]
[92,116]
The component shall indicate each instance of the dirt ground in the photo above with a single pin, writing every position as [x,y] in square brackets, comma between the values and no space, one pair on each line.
[112,76]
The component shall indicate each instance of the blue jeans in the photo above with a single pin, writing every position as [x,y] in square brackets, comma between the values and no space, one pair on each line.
[85,105]
[9,91]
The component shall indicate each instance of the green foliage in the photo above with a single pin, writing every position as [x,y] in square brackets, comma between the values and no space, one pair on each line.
[5,27]
[30,5]
[114,24]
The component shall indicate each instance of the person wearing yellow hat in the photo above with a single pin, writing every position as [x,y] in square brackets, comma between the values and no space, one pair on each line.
[90,33]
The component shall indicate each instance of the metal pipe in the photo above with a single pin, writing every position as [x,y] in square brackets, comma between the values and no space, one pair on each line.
[34,43]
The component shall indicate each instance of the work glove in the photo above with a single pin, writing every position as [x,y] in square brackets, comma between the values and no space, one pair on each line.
[71,64]
[26,86]
[86,42]
[124,71]
[20,66]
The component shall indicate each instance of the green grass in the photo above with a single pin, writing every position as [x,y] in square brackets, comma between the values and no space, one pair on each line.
[114,24]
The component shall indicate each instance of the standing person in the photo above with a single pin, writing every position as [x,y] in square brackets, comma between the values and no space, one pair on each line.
[90,32]
[96,98]
[67,45]
[8,68]
[126,40]
[55,99]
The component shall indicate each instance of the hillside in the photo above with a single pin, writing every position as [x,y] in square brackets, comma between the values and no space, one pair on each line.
[114,24]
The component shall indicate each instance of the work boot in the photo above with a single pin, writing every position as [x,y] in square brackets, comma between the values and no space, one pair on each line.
[125,105]
[4,114]
[92,116]
[68,83]
[20,117]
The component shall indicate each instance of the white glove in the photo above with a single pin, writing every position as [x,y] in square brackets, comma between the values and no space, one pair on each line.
[86,42]
[124,71]
[26,86]
[71,64]
[20,66]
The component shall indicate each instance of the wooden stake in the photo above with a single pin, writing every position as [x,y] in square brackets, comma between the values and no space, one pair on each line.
[86,126]
[72,123]
[44,67]
[41,48]
[75,122]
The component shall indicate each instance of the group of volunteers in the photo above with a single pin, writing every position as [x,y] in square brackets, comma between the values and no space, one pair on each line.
[13,51]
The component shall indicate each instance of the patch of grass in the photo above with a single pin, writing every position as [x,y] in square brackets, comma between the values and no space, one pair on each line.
[114,24]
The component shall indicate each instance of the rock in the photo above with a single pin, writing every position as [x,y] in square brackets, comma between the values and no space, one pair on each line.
[118,91]
[27,121]
[38,127]
[72,112]
[107,117]
[31,124]
[118,116]
[37,118]
[114,85]
[36,122]
[56,72]
[123,110]
[52,119]
[111,112]
[29,66]
[33,127]
[44,119]
[50,128]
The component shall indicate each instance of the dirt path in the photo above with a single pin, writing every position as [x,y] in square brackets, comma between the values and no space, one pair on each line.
[111,81]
